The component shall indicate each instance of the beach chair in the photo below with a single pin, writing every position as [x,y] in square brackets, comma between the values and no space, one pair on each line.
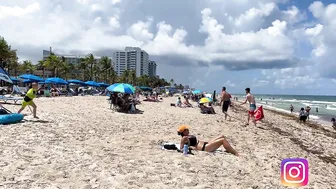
[17,90]
[5,99]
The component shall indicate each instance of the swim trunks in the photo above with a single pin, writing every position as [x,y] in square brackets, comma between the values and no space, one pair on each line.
[225,106]
[253,107]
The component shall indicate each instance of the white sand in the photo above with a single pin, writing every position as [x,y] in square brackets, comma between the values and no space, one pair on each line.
[80,143]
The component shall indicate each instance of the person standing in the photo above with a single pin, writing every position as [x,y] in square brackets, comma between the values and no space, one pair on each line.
[225,101]
[291,108]
[308,110]
[253,107]
[28,99]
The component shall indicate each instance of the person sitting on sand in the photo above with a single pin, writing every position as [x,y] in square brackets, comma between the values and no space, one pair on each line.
[186,102]
[333,121]
[179,102]
[206,109]
[195,144]
[28,99]
[303,115]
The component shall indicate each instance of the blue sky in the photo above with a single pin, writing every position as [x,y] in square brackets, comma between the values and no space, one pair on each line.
[271,46]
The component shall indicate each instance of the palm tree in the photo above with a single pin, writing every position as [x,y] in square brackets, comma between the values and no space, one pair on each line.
[54,62]
[105,64]
[125,77]
[171,82]
[133,77]
[113,76]
[90,61]
[41,66]
[27,67]
[6,53]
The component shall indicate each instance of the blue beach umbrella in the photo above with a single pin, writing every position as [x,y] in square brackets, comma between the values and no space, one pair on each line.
[75,81]
[31,77]
[14,79]
[28,81]
[56,80]
[102,84]
[121,88]
[196,91]
[92,84]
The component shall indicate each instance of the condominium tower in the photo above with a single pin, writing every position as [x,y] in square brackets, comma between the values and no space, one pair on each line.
[132,58]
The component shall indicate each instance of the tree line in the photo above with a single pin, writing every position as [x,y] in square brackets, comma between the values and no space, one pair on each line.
[88,68]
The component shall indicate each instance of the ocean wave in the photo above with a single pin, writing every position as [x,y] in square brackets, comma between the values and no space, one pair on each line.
[287,111]
[330,108]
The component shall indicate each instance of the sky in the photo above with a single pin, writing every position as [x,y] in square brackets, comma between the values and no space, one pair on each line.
[271,46]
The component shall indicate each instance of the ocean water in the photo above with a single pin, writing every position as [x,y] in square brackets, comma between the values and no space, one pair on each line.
[326,104]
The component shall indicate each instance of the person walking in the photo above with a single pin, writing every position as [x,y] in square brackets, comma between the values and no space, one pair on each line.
[225,101]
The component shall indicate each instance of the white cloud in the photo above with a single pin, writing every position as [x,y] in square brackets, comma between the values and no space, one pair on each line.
[140,30]
[16,11]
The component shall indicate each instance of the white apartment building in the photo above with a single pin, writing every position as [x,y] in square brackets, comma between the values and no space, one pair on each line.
[133,58]
[152,68]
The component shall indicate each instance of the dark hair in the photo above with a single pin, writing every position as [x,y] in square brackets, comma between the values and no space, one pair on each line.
[302,108]
[180,133]
[333,119]
[224,88]
[247,89]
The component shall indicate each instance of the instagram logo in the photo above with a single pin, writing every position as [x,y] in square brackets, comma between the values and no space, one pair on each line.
[294,172]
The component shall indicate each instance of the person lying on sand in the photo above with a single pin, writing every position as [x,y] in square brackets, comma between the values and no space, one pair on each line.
[206,109]
[210,146]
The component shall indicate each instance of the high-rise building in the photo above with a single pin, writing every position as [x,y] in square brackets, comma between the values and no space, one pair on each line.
[152,68]
[133,58]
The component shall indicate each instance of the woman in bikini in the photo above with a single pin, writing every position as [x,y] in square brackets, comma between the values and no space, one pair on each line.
[210,146]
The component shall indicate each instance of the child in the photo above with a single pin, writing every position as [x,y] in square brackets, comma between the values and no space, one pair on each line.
[179,102]
[303,115]
[28,99]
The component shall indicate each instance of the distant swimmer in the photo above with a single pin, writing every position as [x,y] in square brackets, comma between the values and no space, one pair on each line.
[316,109]
[253,106]
[291,108]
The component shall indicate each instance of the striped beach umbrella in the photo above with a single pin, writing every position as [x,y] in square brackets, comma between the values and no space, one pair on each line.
[121,88]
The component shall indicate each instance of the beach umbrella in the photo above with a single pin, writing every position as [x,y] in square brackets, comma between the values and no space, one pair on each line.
[121,88]
[92,84]
[14,79]
[28,81]
[56,80]
[205,100]
[102,84]
[145,88]
[31,77]
[75,81]
[196,91]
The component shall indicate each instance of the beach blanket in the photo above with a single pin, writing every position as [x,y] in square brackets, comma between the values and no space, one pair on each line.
[174,146]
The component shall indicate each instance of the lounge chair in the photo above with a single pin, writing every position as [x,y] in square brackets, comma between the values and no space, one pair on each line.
[10,98]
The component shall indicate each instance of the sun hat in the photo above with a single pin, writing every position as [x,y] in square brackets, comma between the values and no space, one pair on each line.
[182,128]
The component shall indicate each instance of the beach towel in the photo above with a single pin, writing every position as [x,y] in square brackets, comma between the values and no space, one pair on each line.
[174,146]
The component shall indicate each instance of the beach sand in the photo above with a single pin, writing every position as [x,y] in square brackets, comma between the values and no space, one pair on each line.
[80,143]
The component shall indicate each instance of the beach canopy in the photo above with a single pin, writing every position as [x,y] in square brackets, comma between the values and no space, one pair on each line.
[121,88]
[56,80]
[196,92]
[4,76]
[31,77]
[75,81]
[102,84]
[92,84]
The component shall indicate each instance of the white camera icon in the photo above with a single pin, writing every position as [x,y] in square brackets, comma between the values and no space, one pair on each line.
[299,167]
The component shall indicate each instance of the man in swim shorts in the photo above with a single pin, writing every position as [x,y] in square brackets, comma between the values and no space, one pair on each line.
[253,107]
[28,99]
[225,99]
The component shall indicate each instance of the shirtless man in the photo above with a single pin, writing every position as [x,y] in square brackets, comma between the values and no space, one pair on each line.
[253,107]
[225,99]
